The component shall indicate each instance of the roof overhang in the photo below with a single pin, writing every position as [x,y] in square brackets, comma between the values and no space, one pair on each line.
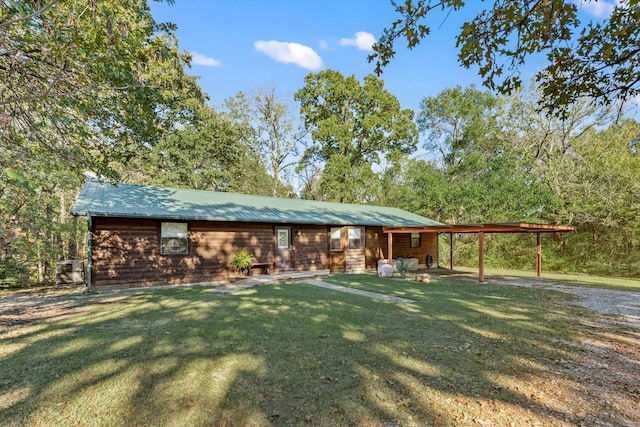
[520,227]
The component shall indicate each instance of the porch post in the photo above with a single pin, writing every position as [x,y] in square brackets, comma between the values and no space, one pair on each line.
[538,254]
[450,251]
[389,247]
[481,256]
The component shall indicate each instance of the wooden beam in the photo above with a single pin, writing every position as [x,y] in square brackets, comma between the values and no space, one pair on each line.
[451,251]
[389,248]
[481,257]
[538,254]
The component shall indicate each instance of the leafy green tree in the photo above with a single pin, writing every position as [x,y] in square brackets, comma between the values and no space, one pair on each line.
[205,155]
[353,127]
[87,81]
[595,59]
[83,85]
[458,120]
[271,131]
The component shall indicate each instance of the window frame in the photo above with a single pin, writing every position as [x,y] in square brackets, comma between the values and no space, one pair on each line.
[166,233]
[411,241]
[332,239]
[360,244]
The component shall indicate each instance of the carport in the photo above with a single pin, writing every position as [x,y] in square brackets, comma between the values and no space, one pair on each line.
[481,229]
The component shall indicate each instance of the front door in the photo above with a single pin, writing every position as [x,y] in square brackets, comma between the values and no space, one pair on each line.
[283,248]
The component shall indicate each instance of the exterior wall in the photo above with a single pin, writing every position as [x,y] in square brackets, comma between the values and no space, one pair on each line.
[310,245]
[126,252]
[401,247]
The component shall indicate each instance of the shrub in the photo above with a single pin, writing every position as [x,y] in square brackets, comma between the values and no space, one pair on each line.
[242,260]
[403,264]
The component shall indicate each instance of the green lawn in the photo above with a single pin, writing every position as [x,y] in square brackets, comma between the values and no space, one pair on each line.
[294,354]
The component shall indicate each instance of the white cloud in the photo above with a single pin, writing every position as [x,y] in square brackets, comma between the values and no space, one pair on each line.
[290,53]
[598,8]
[362,40]
[199,59]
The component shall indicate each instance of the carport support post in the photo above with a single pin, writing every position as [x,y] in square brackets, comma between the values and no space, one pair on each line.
[480,257]
[451,251]
[538,254]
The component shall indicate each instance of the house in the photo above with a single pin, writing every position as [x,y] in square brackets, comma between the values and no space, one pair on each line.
[144,236]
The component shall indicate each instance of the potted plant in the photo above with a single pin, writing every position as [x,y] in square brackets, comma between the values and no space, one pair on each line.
[403,265]
[242,261]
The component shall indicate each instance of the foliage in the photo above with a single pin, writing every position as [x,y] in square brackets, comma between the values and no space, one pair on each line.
[204,155]
[402,265]
[503,160]
[86,82]
[242,260]
[594,59]
[83,85]
[353,127]
[269,129]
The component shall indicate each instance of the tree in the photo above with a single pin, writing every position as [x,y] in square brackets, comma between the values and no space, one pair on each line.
[595,60]
[87,81]
[458,120]
[270,130]
[353,127]
[205,155]
[84,84]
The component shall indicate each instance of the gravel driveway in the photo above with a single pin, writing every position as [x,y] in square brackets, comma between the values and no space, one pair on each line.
[624,304]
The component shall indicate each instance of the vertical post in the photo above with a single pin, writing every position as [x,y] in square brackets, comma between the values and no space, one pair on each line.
[389,247]
[480,257]
[538,254]
[450,251]
[89,266]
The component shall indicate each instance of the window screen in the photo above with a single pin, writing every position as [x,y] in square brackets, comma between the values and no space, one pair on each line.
[174,238]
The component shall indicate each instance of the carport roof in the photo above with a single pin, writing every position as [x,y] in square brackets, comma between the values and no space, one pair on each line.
[136,201]
[507,227]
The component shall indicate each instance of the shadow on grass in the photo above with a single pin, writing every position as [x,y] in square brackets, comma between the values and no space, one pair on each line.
[292,354]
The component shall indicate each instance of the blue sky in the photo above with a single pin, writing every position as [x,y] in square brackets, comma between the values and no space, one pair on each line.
[240,45]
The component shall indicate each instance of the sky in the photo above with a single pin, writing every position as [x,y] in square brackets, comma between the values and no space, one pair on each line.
[241,45]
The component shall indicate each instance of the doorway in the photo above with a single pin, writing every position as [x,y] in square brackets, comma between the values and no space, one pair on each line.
[283,248]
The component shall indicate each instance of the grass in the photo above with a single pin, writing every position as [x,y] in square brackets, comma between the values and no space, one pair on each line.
[292,354]
[577,279]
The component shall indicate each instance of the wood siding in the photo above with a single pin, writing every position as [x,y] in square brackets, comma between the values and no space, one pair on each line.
[377,247]
[126,252]
[310,245]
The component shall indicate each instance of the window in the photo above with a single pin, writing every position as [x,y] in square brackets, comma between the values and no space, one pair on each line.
[283,238]
[355,240]
[336,239]
[174,238]
[416,240]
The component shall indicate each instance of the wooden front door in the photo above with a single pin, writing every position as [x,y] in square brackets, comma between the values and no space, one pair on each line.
[283,248]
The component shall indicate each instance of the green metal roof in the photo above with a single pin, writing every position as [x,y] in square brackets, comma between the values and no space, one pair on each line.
[135,201]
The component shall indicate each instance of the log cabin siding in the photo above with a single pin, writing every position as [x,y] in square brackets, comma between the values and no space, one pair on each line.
[310,247]
[126,252]
[402,247]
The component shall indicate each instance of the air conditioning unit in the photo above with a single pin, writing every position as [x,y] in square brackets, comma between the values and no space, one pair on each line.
[70,272]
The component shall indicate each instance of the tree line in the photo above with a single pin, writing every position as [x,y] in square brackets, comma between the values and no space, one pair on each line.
[101,86]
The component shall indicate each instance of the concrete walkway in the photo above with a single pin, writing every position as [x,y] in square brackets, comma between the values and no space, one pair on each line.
[374,295]
[253,281]
[310,278]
